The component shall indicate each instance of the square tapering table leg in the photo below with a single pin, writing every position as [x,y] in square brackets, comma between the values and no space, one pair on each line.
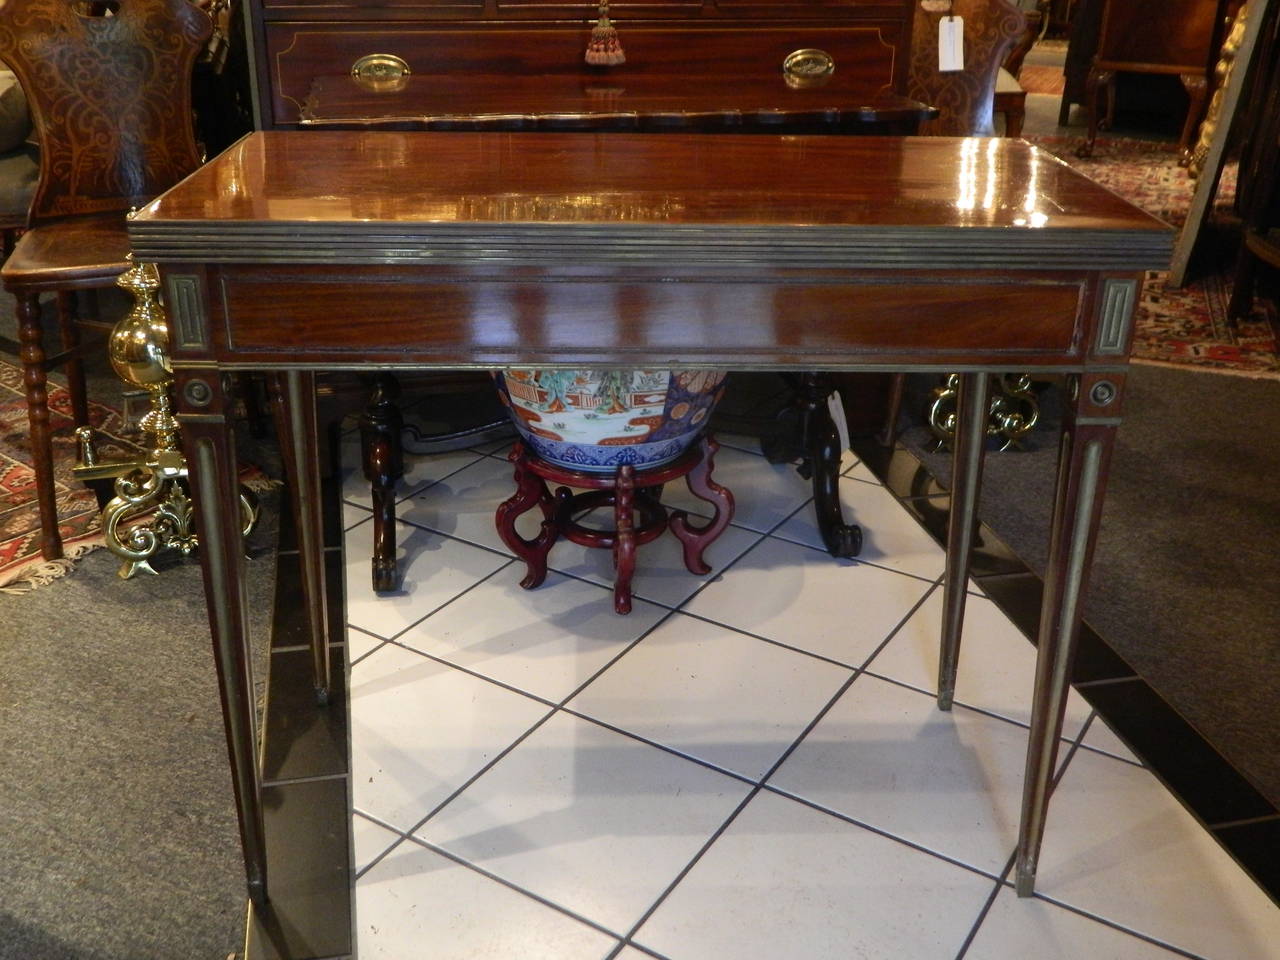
[1083,457]
[972,405]
[206,415]
[297,428]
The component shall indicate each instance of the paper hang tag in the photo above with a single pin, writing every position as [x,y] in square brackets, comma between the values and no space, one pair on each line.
[836,406]
[950,44]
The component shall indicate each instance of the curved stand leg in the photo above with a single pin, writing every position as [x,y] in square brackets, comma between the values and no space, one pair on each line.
[35,382]
[696,539]
[531,491]
[822,450]
[380,427]
[624,544]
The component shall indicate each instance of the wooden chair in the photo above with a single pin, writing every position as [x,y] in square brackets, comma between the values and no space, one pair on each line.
[1010,98]
[109,83]
[965,98]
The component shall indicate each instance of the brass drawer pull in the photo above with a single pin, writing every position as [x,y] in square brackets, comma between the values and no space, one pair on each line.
[808,67]
[380,71]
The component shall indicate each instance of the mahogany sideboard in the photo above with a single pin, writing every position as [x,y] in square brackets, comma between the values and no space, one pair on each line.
[700,57]
[297,253]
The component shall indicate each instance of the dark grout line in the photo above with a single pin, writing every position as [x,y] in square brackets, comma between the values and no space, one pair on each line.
[986,907]
[879,831]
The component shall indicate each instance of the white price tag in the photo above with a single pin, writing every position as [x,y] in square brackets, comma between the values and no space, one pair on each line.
[950,44]
[836,406]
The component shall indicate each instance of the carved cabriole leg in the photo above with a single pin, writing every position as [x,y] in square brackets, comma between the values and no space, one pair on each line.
[1084,455]
[35,381]
[531,491]
[205,413]
[972,405]
[1197,87]
[299,409]
[822,448]
[380,428]
[696,539]
[69,331]
[1098,81]
[624,544]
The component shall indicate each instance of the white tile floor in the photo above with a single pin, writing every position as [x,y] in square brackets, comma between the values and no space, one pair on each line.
[749,765]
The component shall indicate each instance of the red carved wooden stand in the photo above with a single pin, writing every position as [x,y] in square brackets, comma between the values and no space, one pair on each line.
[630,492]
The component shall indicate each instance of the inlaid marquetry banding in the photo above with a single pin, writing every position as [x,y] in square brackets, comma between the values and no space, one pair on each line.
[1118,297]
[186,307]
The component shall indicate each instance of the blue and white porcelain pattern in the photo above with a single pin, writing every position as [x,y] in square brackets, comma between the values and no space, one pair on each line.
[598,420]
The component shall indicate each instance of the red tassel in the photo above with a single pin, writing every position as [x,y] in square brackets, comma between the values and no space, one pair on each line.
[604,49]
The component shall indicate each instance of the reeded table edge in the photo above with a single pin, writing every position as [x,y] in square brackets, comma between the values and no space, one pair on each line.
[656,244]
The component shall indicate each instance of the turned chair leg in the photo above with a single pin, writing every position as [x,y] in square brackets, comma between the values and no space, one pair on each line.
[531,492]
[696,539]
[624,543]
[35,381]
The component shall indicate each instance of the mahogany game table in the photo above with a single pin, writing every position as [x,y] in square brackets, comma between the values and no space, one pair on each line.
[299,252]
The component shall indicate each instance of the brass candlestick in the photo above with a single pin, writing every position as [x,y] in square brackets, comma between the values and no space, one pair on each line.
[151,487]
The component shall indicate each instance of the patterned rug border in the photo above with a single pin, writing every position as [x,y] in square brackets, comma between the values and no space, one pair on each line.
[36,571]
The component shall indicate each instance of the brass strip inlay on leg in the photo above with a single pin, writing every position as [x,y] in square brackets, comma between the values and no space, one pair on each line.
[1118,297]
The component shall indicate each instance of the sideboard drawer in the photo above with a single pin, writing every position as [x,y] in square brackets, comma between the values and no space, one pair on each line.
[865,55]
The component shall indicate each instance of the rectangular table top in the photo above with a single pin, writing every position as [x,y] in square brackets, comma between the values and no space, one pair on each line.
[681,199]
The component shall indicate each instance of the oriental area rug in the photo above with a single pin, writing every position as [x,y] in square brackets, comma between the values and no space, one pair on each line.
[1184,327]
[21,566]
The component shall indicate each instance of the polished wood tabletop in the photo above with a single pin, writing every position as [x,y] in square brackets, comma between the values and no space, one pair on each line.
[490,183]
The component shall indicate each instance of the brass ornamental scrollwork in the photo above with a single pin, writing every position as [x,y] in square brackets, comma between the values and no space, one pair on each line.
[151,510]
[1013,413]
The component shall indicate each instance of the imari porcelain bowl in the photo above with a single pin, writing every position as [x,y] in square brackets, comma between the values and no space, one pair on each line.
[598,420]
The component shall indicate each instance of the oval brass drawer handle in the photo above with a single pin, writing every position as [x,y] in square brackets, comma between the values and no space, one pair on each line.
[380,71]
[808,67]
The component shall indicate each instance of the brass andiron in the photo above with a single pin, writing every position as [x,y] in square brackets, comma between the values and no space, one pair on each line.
[151,487]
[1013,414]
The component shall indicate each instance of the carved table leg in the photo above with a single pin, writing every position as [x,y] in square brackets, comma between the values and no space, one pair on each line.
[1088,436]
[696,539]
[531,491]
[35,380]
[1098,81]
[822,457]
[380,428]
[973,403]
[206,414]
[624,544]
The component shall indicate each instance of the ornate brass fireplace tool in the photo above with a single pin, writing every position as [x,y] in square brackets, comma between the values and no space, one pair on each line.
[151,487]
